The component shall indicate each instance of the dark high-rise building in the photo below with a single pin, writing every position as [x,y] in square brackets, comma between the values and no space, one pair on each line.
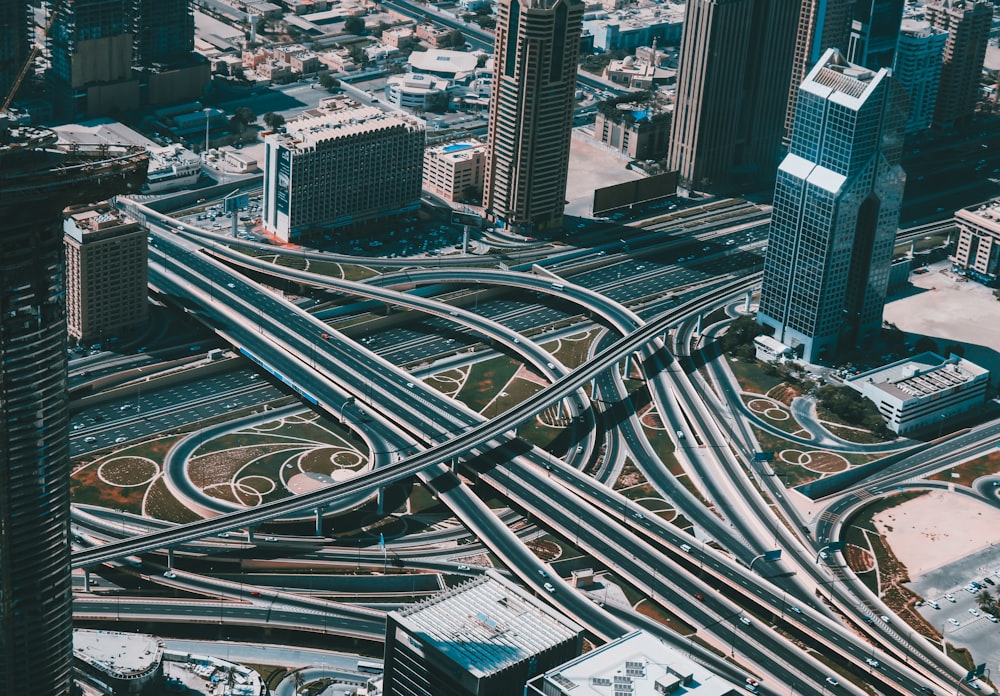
[874,33]
[162,32]
[14,41]
[968,25]
[36,639]
[163,56]
[486,637]
[732,89]
[110,56]
[531,112]
[823,24]
[836,211]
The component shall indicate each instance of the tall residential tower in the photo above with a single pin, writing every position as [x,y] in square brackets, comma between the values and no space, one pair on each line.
[823,24]
[968,25]
[36,182]
[531,112]
[836,210]
[732,93]
[874,33]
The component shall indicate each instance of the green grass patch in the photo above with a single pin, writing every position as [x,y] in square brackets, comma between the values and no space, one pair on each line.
[971,470]
[755,377]
[485,380]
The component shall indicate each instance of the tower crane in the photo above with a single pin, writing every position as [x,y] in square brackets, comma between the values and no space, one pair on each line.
[39,40]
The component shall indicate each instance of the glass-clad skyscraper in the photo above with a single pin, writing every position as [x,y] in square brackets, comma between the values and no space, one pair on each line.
[836,210]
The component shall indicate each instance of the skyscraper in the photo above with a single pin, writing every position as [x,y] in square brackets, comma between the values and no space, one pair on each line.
[35,602]
[836,210]
[968,25]
[14,42]
[163,56]
[874,33]
[531,112]
[823,24]
[732,88]
[917,69]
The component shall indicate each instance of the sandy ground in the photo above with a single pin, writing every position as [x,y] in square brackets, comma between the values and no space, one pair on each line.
[937,529]
[949,309]
[592,166]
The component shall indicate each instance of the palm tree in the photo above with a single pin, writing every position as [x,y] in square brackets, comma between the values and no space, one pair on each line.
[986,601]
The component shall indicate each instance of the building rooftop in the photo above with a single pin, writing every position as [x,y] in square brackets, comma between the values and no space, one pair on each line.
[985,215]
[921,376]
[638,664]
[487,624]
[120,655]
[437,60]
[336,119]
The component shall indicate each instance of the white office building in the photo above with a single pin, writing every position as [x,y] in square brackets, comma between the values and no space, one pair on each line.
[340,166]
[925,391]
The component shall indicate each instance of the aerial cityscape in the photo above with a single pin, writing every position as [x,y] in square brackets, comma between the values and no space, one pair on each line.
[513,347]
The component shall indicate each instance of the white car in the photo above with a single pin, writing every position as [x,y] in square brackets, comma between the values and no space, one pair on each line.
[950,597]
[871,661]
[744,620]
[974,611]
[548,587]
[170,574]
[120,439]
[954,622]
[991,617]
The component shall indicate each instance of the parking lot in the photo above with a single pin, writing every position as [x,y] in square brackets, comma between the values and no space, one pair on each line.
[954,619]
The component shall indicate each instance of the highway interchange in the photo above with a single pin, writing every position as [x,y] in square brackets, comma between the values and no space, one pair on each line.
[761,622]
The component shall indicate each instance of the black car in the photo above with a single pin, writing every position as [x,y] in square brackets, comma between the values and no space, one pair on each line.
[988,581]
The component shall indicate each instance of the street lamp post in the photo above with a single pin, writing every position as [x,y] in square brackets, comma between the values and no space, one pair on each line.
[207,112]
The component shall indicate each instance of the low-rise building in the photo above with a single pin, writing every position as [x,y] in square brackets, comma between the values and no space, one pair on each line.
[170,168]
[452,170]
[433,35]
[638,664]
[635,73]
[629,28]
[106,272]
[770,349]
[398,37]
[634,130]
[128,663]
[417,92]
[922,392]
[977,253]
[455,66]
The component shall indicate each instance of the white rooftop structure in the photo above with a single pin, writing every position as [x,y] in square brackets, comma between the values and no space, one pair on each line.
[443,62]
[638,664]
[122,656]
[309,130]
[924,391]
[487,624]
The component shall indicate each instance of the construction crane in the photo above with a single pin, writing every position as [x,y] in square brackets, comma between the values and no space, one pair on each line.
[39,40]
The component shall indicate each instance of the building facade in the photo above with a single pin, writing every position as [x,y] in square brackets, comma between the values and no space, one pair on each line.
[639,133]
[111,56]
[106,274]
[923,392]
[732,89]
[968,25]
[874,33]
[454,170]
[977,253]
[531,112]
[822,24]
[917,68]
[836,210]
[340,166]
[486,637]
[14,41]
[35,588]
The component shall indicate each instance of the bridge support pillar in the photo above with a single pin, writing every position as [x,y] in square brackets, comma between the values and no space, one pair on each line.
[746,303]
[697,326]
[559,410]
[319,521]
[250,535]
[381,500]
[628,366]
[86,580]
[170,558]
